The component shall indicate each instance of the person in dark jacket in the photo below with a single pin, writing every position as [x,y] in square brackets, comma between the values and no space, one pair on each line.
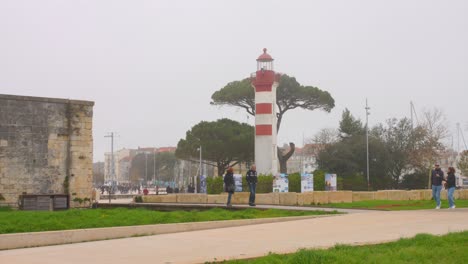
[451,186]
[252,179]
[229,184]
[437,179]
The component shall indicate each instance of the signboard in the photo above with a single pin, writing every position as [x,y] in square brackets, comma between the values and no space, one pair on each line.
[238,182]
[330,182]
[281,183]
[202,183]
[307,182]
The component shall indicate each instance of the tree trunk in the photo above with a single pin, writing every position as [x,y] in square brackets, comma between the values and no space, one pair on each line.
[283,160]
[221,168]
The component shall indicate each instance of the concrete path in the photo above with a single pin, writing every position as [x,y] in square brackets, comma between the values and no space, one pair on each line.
[283,207]
[249,241]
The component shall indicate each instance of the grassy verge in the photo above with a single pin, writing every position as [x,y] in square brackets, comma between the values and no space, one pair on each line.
[394,205]
[34,221]
[423,248]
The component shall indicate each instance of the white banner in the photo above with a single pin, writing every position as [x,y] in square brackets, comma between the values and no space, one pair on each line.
[202,183]
[307,182]
[238,182]
[330,182]
[281,183]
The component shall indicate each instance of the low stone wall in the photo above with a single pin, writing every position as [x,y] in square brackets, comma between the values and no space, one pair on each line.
[309,198]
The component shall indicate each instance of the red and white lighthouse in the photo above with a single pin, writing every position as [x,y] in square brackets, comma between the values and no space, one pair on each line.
[265,82]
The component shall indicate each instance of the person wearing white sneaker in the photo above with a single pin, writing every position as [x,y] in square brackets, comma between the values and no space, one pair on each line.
[450,185]
[436,180]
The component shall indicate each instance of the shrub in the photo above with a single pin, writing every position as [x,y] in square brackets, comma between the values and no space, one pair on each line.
[138,199]
[214,185]
[319,180]
[356,182]
[264,184]
[294,182]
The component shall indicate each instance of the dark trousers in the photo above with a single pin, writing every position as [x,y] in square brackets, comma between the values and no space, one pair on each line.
[252,187]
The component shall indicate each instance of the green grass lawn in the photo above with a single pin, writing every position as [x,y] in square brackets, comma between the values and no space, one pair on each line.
[12,221]
[451,248]
[395,205]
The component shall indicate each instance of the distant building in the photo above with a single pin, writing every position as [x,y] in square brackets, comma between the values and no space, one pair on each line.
[98,173]
[123,160]
[304,160]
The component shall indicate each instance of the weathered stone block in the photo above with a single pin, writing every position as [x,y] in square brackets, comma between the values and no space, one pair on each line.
[240,198]
[306,198]
[320,197]
[397,195]
[192,198]
[463,194]
[415,195]
[340,197]
[426,194]
[381,195]
[289,198]
[267,198]
[169,198]
[363,196]
[217,198]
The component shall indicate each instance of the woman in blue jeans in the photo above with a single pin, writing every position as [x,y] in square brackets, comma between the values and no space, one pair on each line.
[229,184]
[451,187]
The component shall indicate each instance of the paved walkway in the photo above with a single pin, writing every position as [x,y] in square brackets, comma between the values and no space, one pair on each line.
[284,207]
[249,241]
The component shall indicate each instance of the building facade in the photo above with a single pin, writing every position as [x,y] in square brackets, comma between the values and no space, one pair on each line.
[46,147]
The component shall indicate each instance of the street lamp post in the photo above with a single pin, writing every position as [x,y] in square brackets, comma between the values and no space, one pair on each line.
[367,143]
[146,168]
[200,169]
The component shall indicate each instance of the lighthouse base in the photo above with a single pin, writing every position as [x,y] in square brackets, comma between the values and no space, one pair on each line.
[266,158]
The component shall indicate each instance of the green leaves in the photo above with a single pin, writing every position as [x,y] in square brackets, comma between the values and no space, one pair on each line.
[224,142]
[236,93]
[290,95]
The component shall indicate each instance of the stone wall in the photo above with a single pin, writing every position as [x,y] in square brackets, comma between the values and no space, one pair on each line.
[46,147]
[308,198]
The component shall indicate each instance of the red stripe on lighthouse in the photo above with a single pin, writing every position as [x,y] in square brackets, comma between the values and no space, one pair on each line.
[263,130]
[263,108]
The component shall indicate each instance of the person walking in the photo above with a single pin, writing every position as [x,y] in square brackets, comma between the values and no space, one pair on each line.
[229,185]
[437,179]
[451,187]
[252,180]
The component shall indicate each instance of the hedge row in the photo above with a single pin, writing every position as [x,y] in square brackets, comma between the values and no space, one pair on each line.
[215,185]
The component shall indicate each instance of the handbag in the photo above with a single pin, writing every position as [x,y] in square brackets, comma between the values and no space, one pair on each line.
[230,188]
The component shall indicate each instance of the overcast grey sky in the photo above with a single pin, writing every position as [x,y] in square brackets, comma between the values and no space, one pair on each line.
[151,66]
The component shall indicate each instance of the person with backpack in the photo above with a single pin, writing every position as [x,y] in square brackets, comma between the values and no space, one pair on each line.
[229,184]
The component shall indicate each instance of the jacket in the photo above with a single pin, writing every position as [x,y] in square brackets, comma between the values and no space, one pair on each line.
[437,177]
[251,176]
[229,182]
[451,180]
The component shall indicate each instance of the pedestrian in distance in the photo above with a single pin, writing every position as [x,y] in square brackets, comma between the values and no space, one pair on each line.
[437,179]
[450,185]
[252,180]
[229,185]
